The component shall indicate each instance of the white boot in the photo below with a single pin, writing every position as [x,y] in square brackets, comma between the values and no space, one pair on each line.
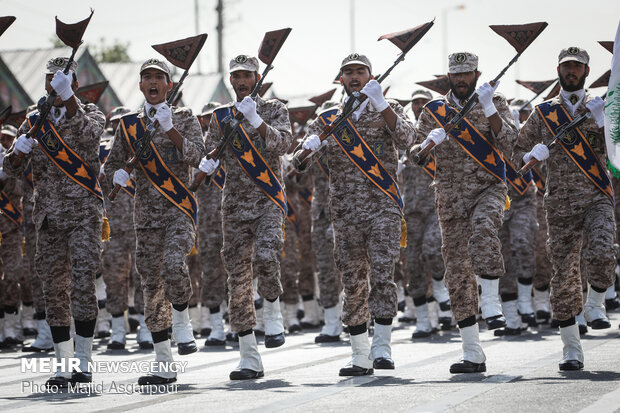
[164,365]
[440,291]
[250,366]
[333,324]
[490,304]
[472,349]
[594,310]
[12,330]
[542,305]
[182,332]
[195,318]
[311,314]
[360,364]
[100,289]
[259,328]
[513,319]
[409,315]
[380,350]
[28,323]
[84,351]
[205,321]
[272,317]
[144,337]
[63,352]
[218,335]
[44,340]
[291,318]
[102,328]
[423,326]
[433,315]
[524,301]
[572,353]
[117,338]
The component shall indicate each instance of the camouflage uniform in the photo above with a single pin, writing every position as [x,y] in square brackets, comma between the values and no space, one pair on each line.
[307,260]
[11,248]
[470,204]
[251,222]
[366,222]
[289,258]
[164,234]
[579,216]
[68,221]
[542,276]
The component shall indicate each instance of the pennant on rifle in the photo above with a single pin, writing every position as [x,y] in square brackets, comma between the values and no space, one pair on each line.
[301,114]
[91,93]
[182,53]
[555,90]
[602,81]
[536,86]
[406,39]
[520,36]
[5,22]
[71,34]
[322,98]
[607,44]
[440,85]
[271,44]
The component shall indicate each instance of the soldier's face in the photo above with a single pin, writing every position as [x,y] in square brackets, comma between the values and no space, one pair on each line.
[354,78]
[243,82]
[463,84]
[6,140]
[417,105]
[154,85]
[573,75]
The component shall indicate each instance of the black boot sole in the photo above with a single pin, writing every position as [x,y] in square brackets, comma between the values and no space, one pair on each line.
[468,367]
[324,338]
[382,363]
[154,380]
[186,348]
[274,341]
[245,374]
[33,349]
[571,365]
[495,322]
[145,345]
[212,342]
[355,371]
[599,324]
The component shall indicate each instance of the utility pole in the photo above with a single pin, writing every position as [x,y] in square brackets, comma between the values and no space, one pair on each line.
[197,28]
[352,24]
[220,36]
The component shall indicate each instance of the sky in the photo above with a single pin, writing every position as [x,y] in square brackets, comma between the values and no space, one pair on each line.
[326,31]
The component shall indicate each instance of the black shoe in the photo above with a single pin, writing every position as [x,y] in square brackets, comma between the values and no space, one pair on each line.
[145,345]
[497,321]
[401,306]
[571,365]
[11,342]
[600,324]
[186,348]
[233,337]
[29,332]
[446,323]
[81,377]
[57,381]
[612,304]
[324,338]
[205,332]
[245,374]
[421,334]
[405,319]
[465,366]
[102,334]
[555,323]
[34,349]
[152,379]
[133,324]
[274,341]
[115,345]
[294,328]
[259,333]
[300,314]
[543,317]
[212,342]
[582,329]
[529,319]
[309,326]
[383,363]
[506,331]
[352,370]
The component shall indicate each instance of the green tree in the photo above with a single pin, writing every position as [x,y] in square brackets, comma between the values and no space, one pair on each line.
[114,53]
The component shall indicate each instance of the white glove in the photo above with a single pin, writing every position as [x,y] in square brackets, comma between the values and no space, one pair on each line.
[208,166]
[248,108]
[437,136]
[400,168]
[375,94]
[485,97]
[539,151]
[597,108]
[62,84]
[164,117]
[121,177]
[24,144]
[313,143]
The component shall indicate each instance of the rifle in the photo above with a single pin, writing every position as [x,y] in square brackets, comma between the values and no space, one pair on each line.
[270,46]
[180,53]
[404,40]
[520,37]
[71,35]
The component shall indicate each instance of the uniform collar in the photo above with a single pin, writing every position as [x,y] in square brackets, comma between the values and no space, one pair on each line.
[149,110]
[572,100]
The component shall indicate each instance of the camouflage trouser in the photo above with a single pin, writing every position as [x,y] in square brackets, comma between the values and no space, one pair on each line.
[136,284]
[423,252]
[195,275]
[307,260]
[24,279]
[470,244]
[289,265]
[160,260]
[35,282]
[67,260]
[593,230]
[116,267]
[366,252]
[251,248]
[517,236]
[330,280]
[213,273]
[11,255]
[542,276]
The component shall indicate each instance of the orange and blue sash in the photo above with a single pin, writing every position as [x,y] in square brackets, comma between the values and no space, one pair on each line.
[156,170]
[291,215]
[520,184]
[306,196]
[65,158]
[539,181]
[220,178]
[576,147]
[429,165]
[250,159]
[28,175]
[10,210]
[357,150]
[470,139]
[321,160]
